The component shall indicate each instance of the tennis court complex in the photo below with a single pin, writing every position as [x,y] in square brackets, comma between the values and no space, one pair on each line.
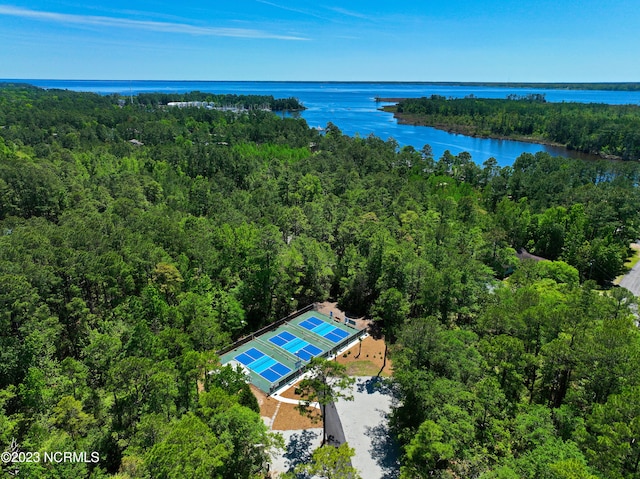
[276,354]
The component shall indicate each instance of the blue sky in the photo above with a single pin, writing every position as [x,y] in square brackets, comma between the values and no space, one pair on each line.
[454,40]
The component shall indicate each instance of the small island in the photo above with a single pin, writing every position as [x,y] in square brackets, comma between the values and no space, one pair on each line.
[609,131]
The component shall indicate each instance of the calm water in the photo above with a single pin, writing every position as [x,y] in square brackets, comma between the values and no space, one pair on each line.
[352,107]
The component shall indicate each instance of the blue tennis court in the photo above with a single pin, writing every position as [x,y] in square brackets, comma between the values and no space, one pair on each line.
[277,355]
[295,345]
[326,330]
[264,365]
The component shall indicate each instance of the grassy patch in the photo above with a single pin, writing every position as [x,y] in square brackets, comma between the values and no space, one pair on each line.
[364,368]
[631,262]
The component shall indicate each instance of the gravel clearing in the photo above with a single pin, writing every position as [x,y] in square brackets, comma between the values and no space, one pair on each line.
[364,419]
[299,445]
[365,424]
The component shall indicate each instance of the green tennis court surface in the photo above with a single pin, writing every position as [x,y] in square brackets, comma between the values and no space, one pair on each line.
[275,357]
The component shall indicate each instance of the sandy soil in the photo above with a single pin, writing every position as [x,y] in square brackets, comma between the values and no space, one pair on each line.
[284,417]
[368,361]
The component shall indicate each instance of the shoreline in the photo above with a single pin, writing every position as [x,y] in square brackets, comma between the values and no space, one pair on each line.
[390,100]
[407,119]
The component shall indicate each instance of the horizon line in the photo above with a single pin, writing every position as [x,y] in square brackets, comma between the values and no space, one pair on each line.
[440,82]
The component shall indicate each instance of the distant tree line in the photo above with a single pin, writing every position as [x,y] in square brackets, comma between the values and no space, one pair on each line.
[606,130]
[605,86]
[244,101]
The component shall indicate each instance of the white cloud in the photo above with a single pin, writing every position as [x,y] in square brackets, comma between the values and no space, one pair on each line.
[165,27]
[350,13]
[307,12]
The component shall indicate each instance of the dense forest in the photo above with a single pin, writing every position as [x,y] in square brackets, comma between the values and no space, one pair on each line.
[611,131]
[135,241]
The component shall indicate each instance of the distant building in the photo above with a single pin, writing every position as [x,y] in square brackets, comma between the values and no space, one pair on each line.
[213,106]
[523,254]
